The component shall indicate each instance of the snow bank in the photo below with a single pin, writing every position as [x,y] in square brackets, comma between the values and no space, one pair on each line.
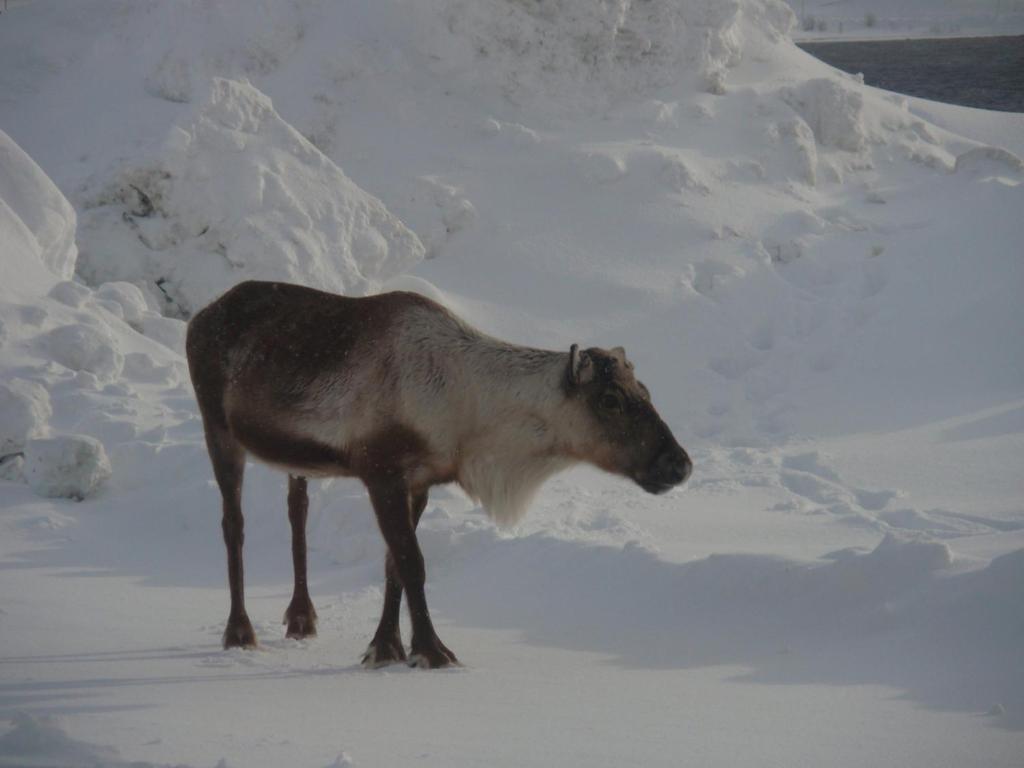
[42,742]
[71,357]
[37,224]
[236,193]
[886,615]
[68,466]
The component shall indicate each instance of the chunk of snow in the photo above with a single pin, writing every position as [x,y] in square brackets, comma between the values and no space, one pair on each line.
[129,297]
[82,347]
[989,158]
[68,466]
[909,555]
[832,109]
[12,468]
[797,138]
[452,213]
[24,413]
[342,761]
[679,174]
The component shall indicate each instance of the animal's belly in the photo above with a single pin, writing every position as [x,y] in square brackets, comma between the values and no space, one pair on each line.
[274,444]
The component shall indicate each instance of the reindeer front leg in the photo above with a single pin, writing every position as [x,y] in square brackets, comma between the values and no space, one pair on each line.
[386,646]
[395,516]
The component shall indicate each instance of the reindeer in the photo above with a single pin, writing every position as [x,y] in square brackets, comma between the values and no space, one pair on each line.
[399,392]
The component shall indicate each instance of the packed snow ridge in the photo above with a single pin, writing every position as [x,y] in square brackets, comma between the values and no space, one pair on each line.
[234,192]
[37,221]
[561,55]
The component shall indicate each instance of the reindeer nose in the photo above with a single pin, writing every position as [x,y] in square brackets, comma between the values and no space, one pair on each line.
[674,466]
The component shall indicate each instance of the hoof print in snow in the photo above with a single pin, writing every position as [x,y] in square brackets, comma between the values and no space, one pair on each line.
[69,466]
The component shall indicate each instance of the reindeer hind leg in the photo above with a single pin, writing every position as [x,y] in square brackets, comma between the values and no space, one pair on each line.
[300,616]
[228,458]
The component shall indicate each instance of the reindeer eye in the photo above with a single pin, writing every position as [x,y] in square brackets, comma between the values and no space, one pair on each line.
[610,402]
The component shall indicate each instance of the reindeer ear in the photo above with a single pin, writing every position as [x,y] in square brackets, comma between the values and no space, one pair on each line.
[581,367]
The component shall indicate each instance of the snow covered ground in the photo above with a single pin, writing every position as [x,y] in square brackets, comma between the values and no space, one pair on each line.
[818,281]
[870,19]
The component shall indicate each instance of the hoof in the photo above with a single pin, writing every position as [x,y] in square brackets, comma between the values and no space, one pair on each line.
[432,655]
[301,620]
[380,653]
[239,634]
[300,627]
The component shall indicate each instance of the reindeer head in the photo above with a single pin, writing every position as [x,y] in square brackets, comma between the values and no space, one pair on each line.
[624,433]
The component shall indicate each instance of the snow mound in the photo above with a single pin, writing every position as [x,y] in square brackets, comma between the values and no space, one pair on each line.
[899,558]
[37,223]
[85,347]
[236,193]
[41,742]
[24,413]
[69,466]
[995,159]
